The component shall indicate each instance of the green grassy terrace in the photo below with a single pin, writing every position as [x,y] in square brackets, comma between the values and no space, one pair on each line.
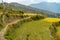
[34,30]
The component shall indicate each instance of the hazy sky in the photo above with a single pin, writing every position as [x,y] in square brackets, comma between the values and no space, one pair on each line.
[27,2]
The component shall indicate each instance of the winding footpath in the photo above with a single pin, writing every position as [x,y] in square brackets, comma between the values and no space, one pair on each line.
[3,31]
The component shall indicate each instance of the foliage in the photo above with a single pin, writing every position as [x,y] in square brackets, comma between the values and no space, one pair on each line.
[1,23]
[37,17]
[56,26]
[1,26]
[13,11]
[7,35]
[1,7]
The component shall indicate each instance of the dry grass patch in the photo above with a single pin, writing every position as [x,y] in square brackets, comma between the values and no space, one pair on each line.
[32,14]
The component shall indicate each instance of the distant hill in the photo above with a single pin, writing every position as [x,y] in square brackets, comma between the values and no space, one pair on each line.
[54,7]
[28,9]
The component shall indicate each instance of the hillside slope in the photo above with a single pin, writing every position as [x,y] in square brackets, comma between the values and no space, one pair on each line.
[16,6]
[51,6]
[34,30]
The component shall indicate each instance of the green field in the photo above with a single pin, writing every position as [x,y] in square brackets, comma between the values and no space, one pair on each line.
[34,30]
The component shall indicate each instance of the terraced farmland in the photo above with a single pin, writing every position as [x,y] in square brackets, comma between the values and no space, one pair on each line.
[34,30]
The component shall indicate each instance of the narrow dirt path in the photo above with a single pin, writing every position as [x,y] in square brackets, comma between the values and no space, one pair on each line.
[2,32]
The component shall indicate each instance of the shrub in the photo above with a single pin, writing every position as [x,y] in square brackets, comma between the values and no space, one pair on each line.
[7,35]
[7,15]
[58,23]
[37,17]
[1,7]
[1,26]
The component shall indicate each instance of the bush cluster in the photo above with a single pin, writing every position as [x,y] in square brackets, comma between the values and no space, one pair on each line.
[37,17]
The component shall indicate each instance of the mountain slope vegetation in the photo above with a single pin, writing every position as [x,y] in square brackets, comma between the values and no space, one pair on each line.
[34,30]
[27,9]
